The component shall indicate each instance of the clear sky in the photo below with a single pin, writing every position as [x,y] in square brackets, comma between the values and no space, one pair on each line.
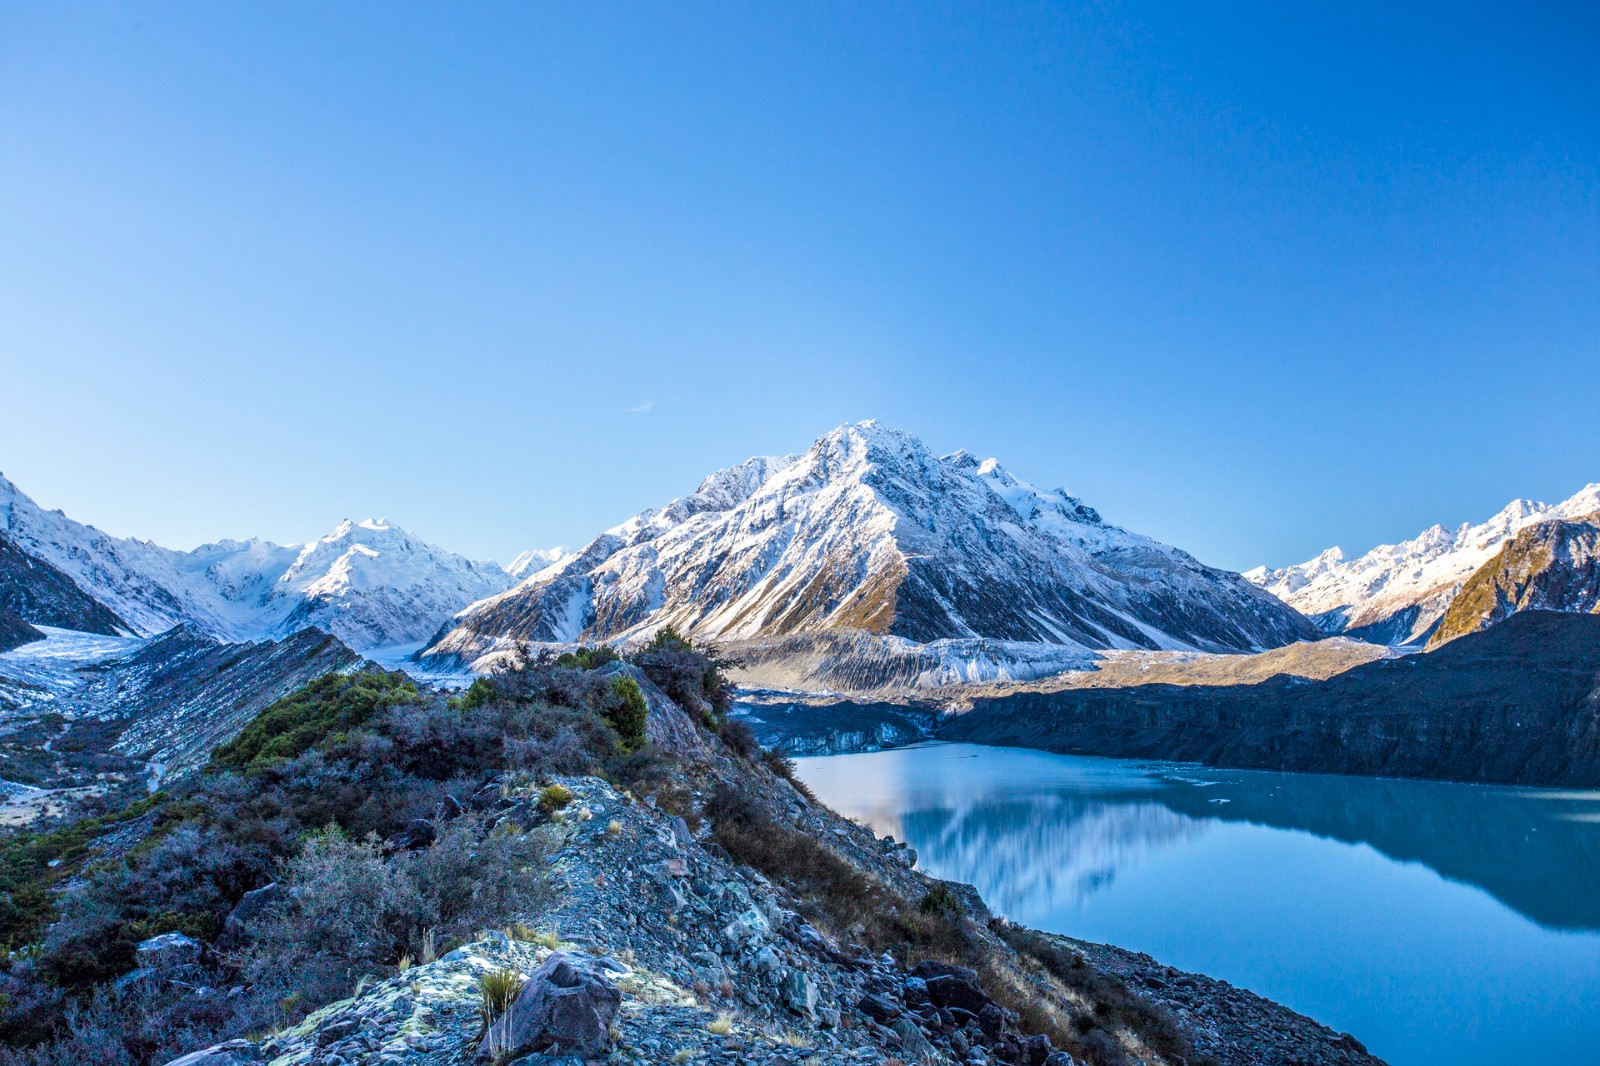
[1254,281]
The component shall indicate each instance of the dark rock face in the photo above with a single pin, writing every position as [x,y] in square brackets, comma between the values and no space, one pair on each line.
[1516,704]
[37,592]
[1553,566]
[418,834]
[565,1007]
[14,632]
[834,727]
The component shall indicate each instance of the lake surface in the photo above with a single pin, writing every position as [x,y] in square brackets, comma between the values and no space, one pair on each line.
[1439,923]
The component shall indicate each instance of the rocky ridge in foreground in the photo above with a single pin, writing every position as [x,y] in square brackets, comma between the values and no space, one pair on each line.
[712,962]
[713,911]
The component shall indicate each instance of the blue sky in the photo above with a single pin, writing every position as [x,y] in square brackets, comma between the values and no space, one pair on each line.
[1253,281]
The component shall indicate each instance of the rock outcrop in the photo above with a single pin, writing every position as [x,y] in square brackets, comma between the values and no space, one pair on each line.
[1553,566]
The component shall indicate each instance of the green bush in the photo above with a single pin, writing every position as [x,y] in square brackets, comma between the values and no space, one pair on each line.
[588,658]
[629,716]
[323,710]
[480,692]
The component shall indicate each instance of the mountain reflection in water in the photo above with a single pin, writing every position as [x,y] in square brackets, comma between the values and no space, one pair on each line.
[1438,922]
[1035,831]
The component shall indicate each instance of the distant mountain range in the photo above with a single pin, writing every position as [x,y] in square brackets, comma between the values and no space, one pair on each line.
[867,559]
[1397,593]
[369,583]
[870,531]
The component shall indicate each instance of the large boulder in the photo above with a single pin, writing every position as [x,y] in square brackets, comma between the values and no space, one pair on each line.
[952,986]
[667,726]
[418,834]
[565,1008]
[250,909]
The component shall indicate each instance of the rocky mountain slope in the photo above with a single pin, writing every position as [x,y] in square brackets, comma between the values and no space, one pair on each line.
[1551,566]
[1396,593]
[870,531]
[124,717]
[370,583]
[39,593]
[1518,703]
[736,974]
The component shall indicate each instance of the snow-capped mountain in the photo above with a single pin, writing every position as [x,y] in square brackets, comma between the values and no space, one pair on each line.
[370,583]
[870,531]
[1396,593]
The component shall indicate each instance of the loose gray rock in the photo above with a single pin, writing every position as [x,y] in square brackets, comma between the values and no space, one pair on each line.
[168,951]
[799,993]
[233,1053]
[912,1042]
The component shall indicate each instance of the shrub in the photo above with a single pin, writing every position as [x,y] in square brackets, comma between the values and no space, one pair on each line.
[480,692]
[555,797]
[831,890]
[691,679]
[350,913]
[739,737]
[630,712]
[588,658]
[782,765]
[1111,1005]
[940,900]
[327,707]
[497,990]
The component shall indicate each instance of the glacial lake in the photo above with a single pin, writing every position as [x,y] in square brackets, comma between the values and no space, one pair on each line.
[1438,923]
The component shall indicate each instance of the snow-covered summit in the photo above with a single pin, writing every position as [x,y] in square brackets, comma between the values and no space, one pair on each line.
[870,530]
[370,583]
[1396,593]
[534,560]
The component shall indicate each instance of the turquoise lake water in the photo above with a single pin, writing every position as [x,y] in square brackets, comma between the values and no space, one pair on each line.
[1438,923]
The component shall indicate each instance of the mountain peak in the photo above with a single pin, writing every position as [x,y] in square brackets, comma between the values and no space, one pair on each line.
[869,530]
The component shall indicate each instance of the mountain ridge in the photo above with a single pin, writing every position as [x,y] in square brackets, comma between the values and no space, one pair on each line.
[1396,593]
[1552,565]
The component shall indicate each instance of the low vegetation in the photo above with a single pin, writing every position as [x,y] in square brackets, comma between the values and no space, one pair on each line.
[320,794]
